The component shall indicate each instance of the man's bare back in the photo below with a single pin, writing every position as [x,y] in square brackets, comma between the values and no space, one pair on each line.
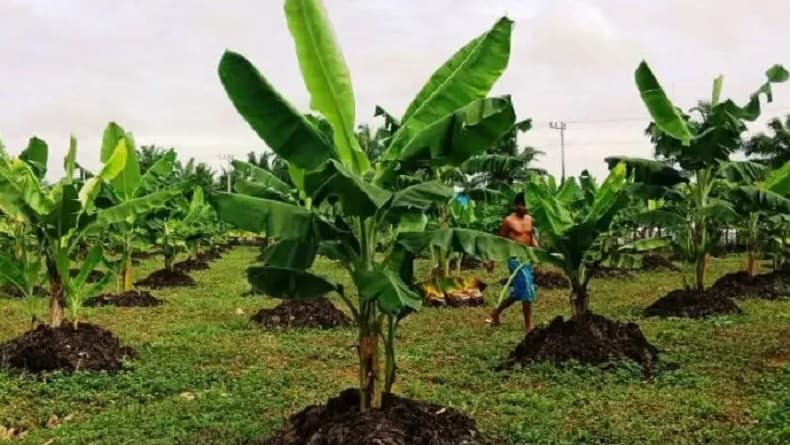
[519,228]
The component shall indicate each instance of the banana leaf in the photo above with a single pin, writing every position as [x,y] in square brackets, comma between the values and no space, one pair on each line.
[285,283]
[391,294]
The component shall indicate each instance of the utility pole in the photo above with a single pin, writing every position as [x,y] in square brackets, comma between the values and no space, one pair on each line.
[229,158]
[561,126]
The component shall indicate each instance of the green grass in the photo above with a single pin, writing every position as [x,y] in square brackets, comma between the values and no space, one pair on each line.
[204,376]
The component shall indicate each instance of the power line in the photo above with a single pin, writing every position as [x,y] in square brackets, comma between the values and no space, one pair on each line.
[561,126]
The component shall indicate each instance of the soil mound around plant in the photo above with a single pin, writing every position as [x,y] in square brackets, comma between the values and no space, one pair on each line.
[656,262]
[190,265]
[209,255]
[89,347]
[167,278]
[597,340]
[93,277]
[692,304]
[132,298]
[400,421]
[549,279]
[771,286]
[317,313]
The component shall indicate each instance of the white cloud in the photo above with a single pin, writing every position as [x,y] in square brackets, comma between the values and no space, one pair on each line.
[71,66]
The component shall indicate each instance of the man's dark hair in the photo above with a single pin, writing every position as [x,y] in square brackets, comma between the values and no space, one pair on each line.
[519,199]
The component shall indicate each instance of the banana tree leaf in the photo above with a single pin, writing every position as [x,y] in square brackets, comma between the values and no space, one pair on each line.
[469,242]
[286,131]
[649,171]
[259,190]
[743,172]
[456,137]
[666,116]
[129,211]
[273,218]
[12,271]
[70,161]
[36,155]
[158,171]
[289,284]
[608,197]
[112,167]
[127,181]
[65,212]
[412,222]
[250,172]
[326,76]
[467,76]
[357,196]
[652,191]
[389,292]
[720,211]
[751,111]
[754,199]
[421,196]
[291,254]
[21,192]
[645,245]
[662,218]
[622,261]
[778,181]
[93,259]
[550,214]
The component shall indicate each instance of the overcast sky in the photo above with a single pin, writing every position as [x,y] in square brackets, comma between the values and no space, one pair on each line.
[70,66]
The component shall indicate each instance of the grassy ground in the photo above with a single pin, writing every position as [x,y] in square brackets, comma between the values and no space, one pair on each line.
[204,376]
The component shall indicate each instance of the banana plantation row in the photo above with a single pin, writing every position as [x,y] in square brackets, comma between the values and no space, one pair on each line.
[431,183]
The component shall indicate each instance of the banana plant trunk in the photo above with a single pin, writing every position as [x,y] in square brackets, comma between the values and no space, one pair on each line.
[580,300]
[56,298]
[127,274]
[369,370]
[752,266]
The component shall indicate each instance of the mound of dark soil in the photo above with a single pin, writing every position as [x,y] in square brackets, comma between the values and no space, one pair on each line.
[166,278]
[316,313]
[208,255]
[190,265]
[143,255]
[93,277]
[549,279]
[597,340]
[132,298]
[655,262]
[400,421]
[89,347]
[692,304]
[771,286]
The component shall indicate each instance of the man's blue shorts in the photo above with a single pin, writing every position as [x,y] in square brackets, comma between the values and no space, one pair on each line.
[522,287]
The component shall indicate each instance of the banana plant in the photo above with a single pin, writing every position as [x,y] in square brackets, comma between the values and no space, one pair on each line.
[61,214]
[131,187]
[182,223]
[449,120]
[700,145]
[573,220]
[757,202]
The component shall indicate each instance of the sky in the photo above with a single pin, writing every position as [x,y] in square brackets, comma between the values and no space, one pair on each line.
[71,66]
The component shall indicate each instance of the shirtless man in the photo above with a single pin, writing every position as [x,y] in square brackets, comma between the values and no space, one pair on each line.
[518,227]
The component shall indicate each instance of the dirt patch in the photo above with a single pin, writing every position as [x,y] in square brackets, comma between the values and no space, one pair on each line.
[89,347]
[549,279]
[771,286]
[190,265]
[597,340]
[132,298]
[692,304]
[400,421]
[209,255]
[316,313]
[93,277]
[657,263]
[166,278]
